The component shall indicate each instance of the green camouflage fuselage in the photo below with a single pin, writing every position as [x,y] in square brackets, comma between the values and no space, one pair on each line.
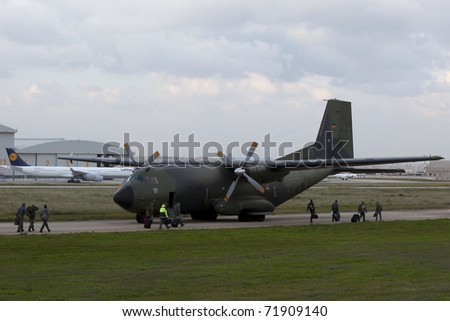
[201,190]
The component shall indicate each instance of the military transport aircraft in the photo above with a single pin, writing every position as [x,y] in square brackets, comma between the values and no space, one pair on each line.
[247,188]
[74,174]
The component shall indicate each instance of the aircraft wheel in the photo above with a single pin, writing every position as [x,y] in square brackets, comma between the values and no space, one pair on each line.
[260,218]
[244,217]
[204,217]
[211,216]
[196,217]
[140,218]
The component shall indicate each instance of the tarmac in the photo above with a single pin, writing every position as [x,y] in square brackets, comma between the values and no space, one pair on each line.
[222,222]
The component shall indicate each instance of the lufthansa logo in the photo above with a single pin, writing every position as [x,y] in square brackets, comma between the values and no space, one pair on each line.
[13,157]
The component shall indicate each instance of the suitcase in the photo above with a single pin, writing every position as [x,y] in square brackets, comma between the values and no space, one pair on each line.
[356,218]
[176,221]
[148,223]
[315,216]
[337,217]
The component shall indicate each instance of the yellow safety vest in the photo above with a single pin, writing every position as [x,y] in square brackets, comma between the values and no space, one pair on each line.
[163,212]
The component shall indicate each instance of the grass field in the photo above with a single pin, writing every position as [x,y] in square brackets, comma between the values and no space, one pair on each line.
[96,203]
[384,261]
[409,196]
[65,204]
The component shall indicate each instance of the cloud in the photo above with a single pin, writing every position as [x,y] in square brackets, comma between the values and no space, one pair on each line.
[230,69]
[32,92]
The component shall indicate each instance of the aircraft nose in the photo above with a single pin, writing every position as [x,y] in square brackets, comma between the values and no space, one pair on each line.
[124,197]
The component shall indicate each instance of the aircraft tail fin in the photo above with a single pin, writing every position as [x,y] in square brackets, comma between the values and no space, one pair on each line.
[14,158]
[335,137]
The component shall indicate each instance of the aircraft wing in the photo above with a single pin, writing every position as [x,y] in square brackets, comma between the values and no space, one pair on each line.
[368,170]
[86,176]
[77,174]
[116,161]
[342,163]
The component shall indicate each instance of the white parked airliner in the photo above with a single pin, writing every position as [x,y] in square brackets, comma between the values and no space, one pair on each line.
[74,174]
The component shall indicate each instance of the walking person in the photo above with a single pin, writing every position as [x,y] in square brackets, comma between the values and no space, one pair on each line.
[336,216]
[378,210]
[44,217]
[19,218]
[362,210]
[177,218]
[148,218]
[312,210]
[163,217]
[31,213]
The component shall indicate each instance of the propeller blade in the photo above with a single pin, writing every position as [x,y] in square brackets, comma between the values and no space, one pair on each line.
[226,160]
[250,152]
[231,189]
[151,158]
[130,153]
[254,183]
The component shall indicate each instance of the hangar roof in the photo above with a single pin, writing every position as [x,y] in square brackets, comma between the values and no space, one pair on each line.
[5,129]
[70,146]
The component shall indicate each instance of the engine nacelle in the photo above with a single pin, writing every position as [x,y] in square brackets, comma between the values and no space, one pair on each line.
[248,205]
[93,177]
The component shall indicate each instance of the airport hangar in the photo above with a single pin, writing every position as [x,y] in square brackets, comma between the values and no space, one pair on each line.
[438,170]
[45,151]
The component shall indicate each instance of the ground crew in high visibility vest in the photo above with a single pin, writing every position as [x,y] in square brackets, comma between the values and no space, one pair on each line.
[163,216]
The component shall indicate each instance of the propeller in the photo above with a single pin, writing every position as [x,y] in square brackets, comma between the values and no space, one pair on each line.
[150,160]
[240,172]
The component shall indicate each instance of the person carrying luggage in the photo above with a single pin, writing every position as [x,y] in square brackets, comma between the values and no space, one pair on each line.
[378,210]
[176,216]
[336,216]
[312,210]
[163,216]
[148,218]
[362,210]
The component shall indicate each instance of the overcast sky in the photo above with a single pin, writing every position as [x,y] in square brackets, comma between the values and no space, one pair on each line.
[228,70]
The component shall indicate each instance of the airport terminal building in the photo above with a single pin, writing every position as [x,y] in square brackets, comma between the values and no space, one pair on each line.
[45,151]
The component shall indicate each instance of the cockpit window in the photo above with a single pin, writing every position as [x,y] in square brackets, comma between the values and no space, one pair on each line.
[144,179]
[148,179]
